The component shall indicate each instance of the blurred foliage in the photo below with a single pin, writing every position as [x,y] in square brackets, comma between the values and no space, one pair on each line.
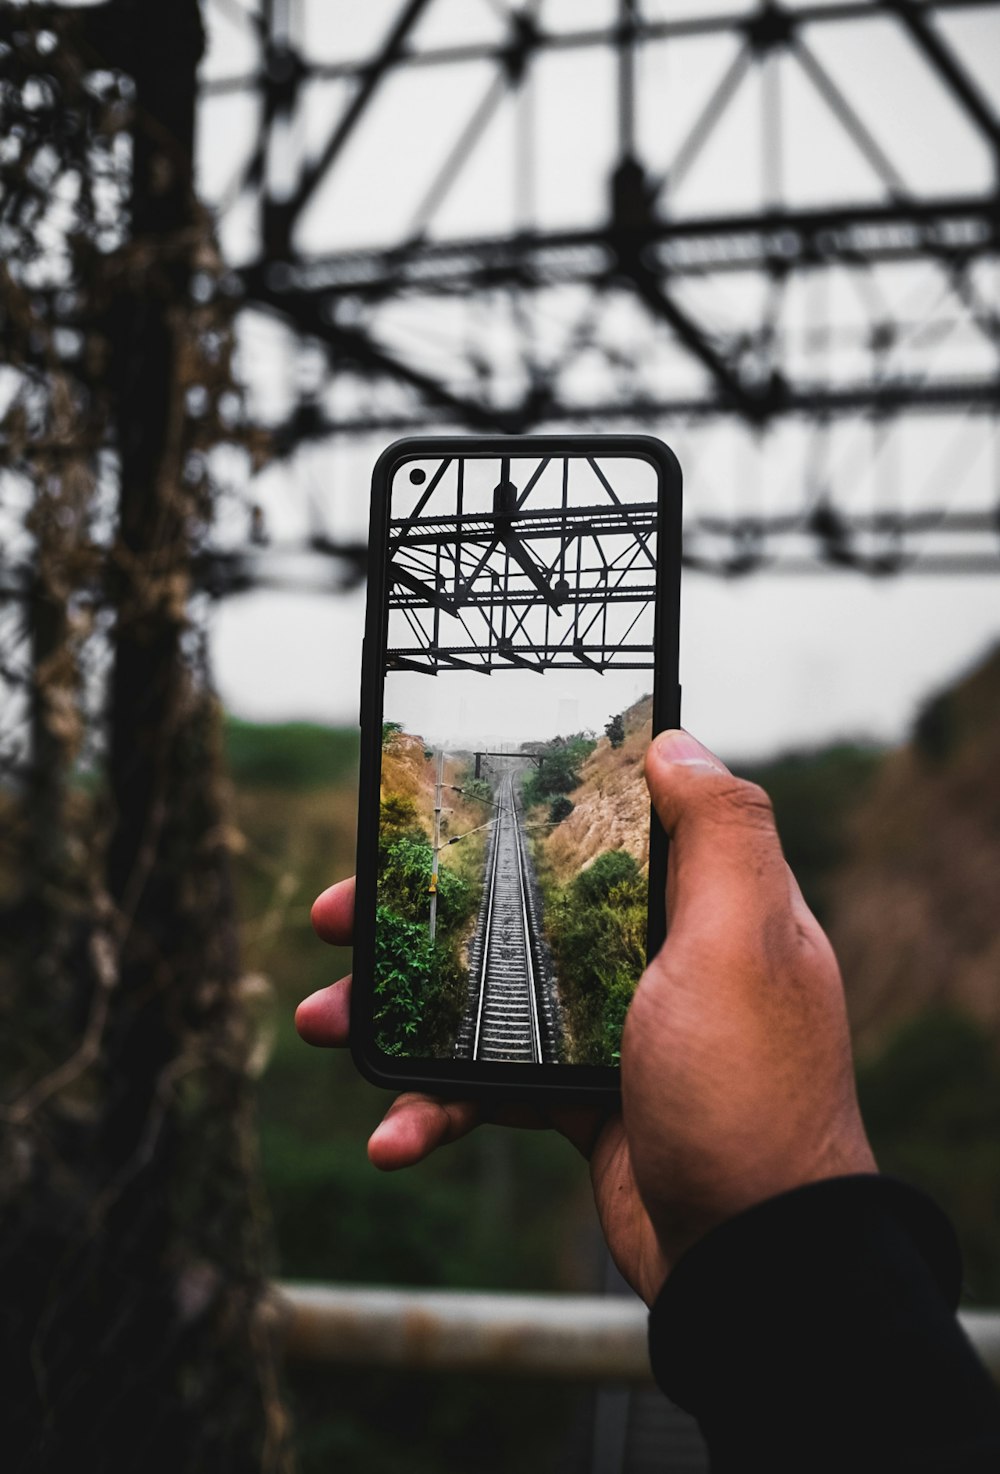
[498,1210]
[931,1102]
[133,1257]
[930,1085]
[615,730]
[936,729]
[814,796]
[290,755]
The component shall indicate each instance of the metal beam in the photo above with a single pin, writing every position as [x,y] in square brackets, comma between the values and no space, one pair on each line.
[847,12]
[369,80]
[785,240]
[944,61]
[588,1338]
[981,396]
[426,592]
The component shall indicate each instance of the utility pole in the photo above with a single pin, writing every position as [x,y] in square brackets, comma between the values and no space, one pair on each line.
[437,843]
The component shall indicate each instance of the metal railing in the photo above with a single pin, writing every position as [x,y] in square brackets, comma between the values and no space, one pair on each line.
[570,1337]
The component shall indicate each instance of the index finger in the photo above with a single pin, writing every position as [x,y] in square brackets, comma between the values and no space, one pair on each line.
[333,913]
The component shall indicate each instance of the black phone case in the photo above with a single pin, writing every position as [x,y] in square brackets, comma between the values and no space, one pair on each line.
[587,1084]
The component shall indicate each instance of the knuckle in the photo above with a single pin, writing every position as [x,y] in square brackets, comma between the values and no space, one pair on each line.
[745,803]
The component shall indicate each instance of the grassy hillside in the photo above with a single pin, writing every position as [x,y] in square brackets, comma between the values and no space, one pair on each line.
[610,805]
[421,983]
[590,843]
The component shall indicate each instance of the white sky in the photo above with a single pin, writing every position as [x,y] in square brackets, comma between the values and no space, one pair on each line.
[461,710]
[767,663]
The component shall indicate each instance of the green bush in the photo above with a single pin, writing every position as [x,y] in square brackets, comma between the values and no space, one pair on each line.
[404,884]
[615,730]
[559,772]
[419,988]
[477,789]
[397,819]
[560,808]
[613,871]
[597,932]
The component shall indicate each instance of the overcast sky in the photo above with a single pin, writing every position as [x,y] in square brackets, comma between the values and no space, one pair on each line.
[767,663]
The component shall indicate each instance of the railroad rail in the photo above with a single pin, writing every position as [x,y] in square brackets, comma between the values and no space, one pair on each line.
[507,1025]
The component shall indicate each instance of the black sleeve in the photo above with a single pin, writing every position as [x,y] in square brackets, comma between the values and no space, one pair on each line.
[816,1333]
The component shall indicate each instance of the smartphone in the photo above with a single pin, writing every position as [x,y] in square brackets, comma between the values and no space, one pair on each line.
[521,649]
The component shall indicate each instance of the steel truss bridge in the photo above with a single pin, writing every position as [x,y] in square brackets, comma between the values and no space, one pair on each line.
[567,584]
[768,233]
[835,325]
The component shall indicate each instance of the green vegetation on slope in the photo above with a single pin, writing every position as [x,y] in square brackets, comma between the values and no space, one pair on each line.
[559,770]
[420,984]
[596,929]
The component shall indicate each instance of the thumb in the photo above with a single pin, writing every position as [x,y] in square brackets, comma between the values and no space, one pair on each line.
[726,873]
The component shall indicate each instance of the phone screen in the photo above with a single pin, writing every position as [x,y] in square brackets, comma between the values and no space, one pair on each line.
[512,871]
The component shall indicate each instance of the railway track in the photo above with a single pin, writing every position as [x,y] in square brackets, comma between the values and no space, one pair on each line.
[507,1026]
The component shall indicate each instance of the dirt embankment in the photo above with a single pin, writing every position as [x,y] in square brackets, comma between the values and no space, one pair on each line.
[610,805]
[408,773]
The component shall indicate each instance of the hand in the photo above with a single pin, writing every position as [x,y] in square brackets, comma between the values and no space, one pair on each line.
[737,1081]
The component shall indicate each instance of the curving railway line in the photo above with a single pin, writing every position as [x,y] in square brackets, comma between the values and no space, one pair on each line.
[506,1008]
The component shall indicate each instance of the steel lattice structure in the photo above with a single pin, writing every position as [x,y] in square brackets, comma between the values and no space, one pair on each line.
[559,572]
[765,231]
[829,330]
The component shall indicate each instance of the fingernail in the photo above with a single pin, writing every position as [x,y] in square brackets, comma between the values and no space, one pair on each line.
[677,746]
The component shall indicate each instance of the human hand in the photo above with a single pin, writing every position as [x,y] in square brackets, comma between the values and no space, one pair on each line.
[736,1070]
[737,1078]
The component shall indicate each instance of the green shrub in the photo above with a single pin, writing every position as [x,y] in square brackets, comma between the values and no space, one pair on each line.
[397,819]
[597,932]
[404,884]
[559,772]
[560,808]
[419,988]
[610,872]
[477,789]
[615,730]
